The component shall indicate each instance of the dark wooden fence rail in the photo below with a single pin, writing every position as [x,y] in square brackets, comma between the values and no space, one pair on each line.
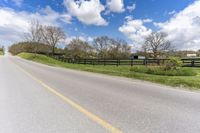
[190,62]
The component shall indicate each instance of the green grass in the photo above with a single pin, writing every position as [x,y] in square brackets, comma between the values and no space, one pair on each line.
[191,82]
[160,70]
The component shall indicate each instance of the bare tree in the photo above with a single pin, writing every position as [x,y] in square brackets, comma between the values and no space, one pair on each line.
[119,49]
[101,45]
[125,49]
[156,43]
[79,49]
[52,36]
[35,34]
[107,47]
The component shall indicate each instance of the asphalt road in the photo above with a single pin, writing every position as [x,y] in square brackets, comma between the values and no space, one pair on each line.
[36,98]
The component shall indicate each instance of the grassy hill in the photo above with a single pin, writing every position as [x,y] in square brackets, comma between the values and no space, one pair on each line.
[191,82]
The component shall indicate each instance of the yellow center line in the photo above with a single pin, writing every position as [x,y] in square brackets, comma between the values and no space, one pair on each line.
[78,107]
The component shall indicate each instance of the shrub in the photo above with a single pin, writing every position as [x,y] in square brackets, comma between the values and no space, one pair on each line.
[173,63]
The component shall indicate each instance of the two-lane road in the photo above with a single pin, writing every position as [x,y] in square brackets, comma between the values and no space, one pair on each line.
[36,98]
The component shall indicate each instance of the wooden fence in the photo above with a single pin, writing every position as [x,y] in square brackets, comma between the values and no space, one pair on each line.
[190,62]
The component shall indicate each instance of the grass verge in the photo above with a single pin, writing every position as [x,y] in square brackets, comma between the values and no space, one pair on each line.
[160,70]
[191,82]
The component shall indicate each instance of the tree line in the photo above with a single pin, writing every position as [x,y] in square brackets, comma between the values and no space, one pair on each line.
[2,49]
[45,39]
[32,47]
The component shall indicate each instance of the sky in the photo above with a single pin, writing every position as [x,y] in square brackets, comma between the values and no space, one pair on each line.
[131,20]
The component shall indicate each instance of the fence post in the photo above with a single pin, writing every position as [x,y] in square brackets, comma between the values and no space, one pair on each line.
[192,63]
[144,62]
[104,62]
[158,61]
[93,61]
[183,62]
[85,61]
[131,62]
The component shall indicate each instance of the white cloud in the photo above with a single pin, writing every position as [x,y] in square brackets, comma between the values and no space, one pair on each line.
[172,12]
[50,17]
[115,5]
[183,28]
[129,17]
[86,11]
[131,8]
[147,20]
[14,24]
[90,39]
[18,2]
[135,30]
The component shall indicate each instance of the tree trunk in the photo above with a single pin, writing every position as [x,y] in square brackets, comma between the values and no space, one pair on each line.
[53,50]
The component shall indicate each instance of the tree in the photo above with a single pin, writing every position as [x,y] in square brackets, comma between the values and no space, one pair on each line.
[52,36]
[107,47]
[2,50]
[35,34]
[156,43]
[101,45]
[29,47]
[119,49]
[79,49]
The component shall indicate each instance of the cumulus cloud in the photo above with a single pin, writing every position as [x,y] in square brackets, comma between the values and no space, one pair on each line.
[183,28]
[135,30]
[115,5]
[14,24]
[86,11]
[48,16]
[147,20]
[172,12]
[131,8]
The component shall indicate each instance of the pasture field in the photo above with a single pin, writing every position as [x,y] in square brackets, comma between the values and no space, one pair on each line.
[190,81]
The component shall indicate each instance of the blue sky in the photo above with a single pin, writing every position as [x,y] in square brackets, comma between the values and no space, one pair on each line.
[131,20]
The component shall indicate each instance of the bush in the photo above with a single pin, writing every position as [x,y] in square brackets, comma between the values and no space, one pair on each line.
[161,70]
[173,63]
